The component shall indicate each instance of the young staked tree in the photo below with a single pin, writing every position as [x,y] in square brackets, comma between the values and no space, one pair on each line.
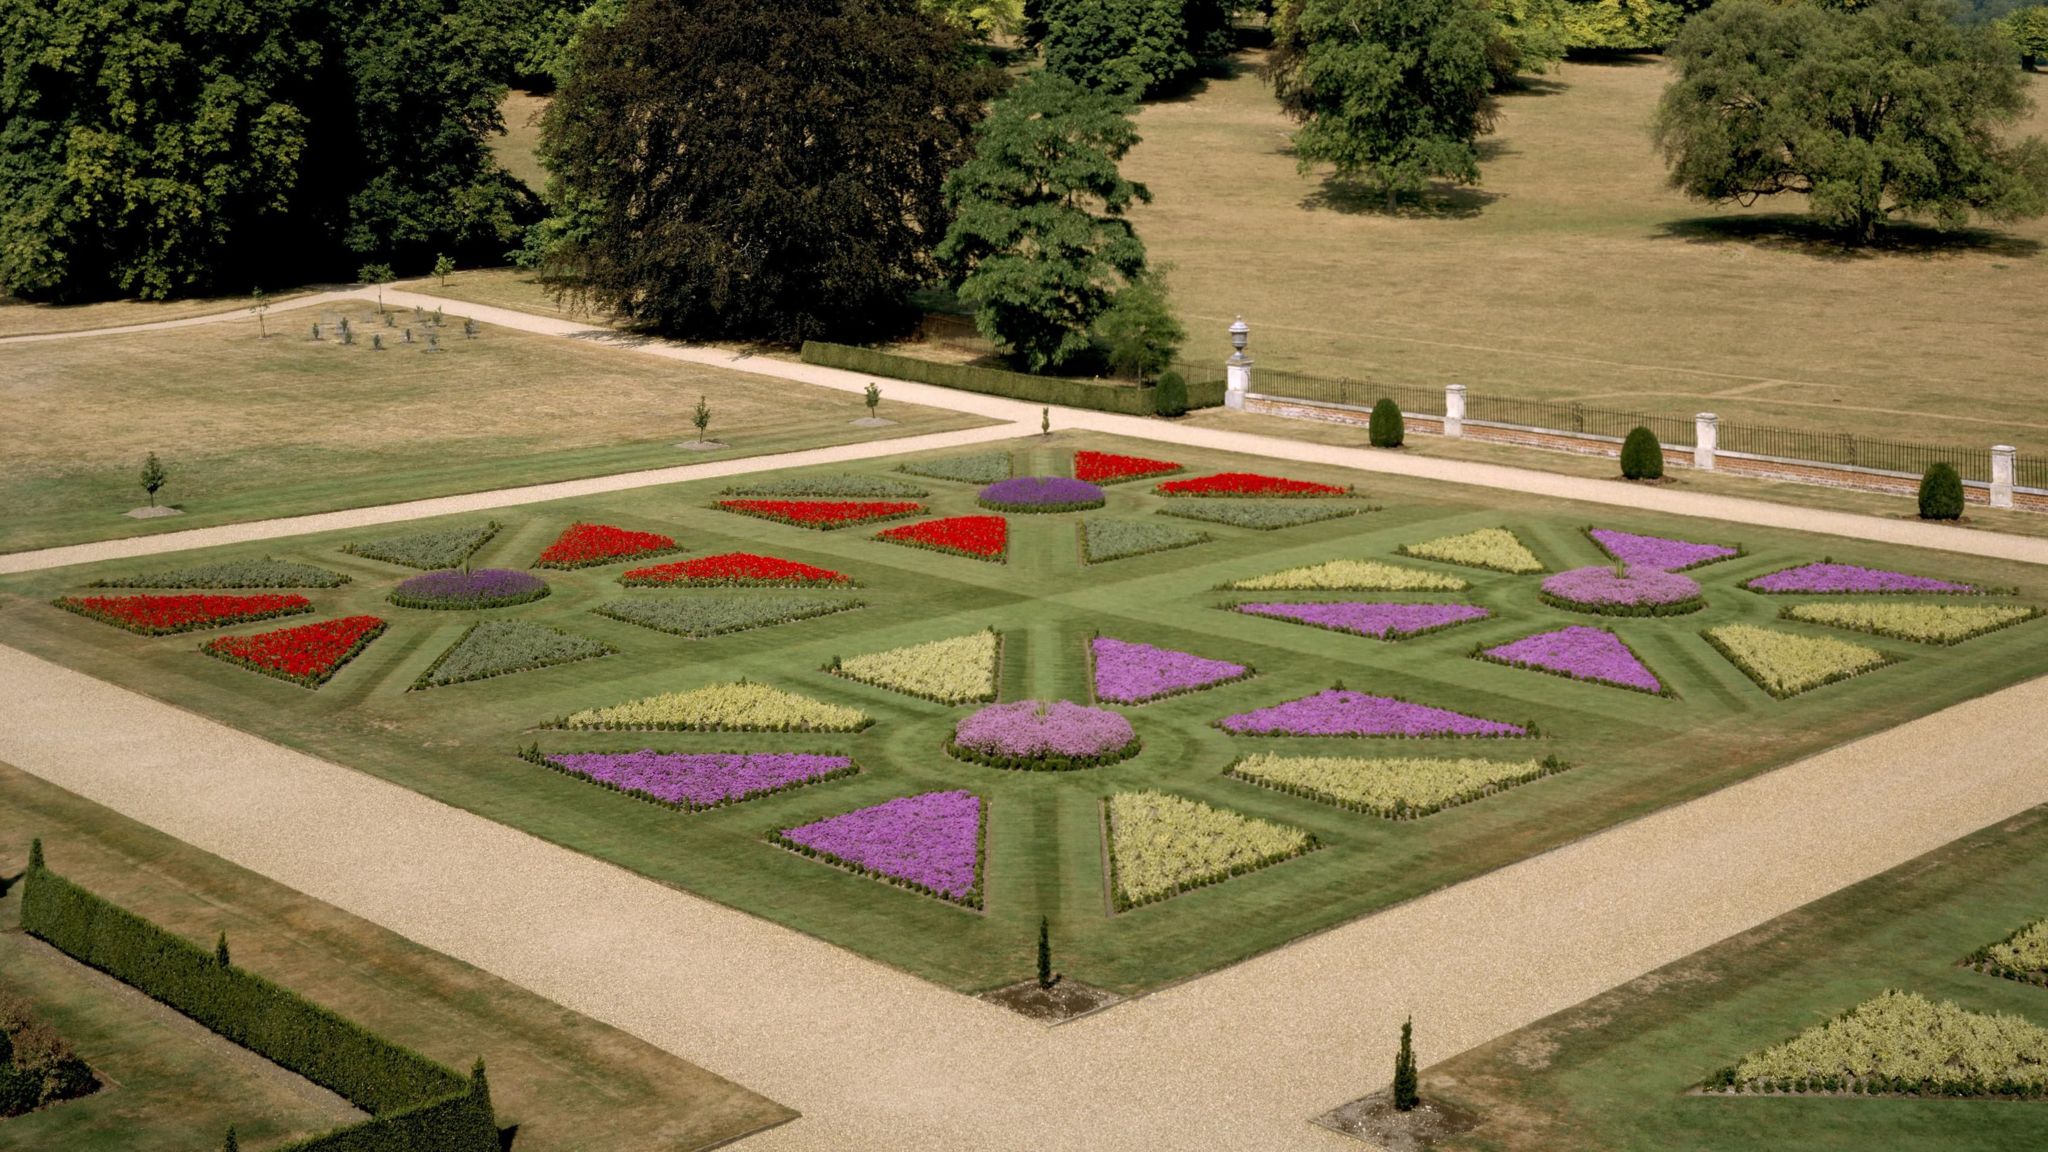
[1393,93]
[872,397]
[1044,952]
[1890,110]
[154,476]
[1039,243]
[701,417]
[760,171]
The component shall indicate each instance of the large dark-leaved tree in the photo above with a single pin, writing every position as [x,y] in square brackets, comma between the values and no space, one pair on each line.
[1892,110]
[760,171]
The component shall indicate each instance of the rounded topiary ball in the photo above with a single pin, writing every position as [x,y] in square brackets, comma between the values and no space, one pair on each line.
[1170,394]
[1941,493]
[1386,429]
[1642,458]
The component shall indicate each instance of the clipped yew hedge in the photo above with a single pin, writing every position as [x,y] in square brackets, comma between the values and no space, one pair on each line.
[416,1105]
[1128,399]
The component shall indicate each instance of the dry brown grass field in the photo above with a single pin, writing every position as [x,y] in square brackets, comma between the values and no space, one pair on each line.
[1574,272]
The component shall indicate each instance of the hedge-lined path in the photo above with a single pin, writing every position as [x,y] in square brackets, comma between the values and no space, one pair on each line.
[873,1058]
[1022,418]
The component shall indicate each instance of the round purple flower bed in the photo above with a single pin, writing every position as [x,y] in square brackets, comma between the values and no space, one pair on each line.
[1056,737]
[1041,494]
[1637,591]
[483,588]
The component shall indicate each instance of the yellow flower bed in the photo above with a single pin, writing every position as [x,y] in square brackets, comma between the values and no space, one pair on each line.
[1161,845]
[957,670]
[1907,1037]
[1786,663]
[1926,623]
[1351,575]
[1495,548]
[2024,953]
[733,707]
[1393,787]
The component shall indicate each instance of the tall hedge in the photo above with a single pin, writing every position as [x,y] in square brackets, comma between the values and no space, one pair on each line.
[417,1104]
[1941,493]
[1642,458]
[1386,429]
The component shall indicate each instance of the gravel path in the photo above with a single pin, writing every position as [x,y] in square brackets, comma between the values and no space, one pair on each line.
[1240,1059]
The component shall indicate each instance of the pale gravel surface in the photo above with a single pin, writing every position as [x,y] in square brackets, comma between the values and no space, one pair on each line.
[873,1058]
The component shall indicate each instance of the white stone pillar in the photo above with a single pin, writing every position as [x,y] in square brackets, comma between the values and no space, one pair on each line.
[2001,475]
[1706,439]
[1237,371]
[1454,409]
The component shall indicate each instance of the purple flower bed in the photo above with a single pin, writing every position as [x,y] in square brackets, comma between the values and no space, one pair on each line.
[1828,577]
[1658,551]
[1383,621]
[1041,494]
[1637,592]
[1058,736]
[1130,673]
[483,588]
[1581,653]
[692,781]
[1338,712]
[930,842]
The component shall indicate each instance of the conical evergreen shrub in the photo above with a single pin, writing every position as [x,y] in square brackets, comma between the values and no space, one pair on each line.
[1405,1097]
[1642,458]
[1941,493]
[1386,429]
[1170,394]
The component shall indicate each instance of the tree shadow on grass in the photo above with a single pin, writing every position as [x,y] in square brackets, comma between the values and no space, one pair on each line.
[7,883]
[1794,232]
[1437,202]
[1525,86]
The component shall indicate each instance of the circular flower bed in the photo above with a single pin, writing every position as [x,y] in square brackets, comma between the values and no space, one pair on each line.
[483,588]
[1634,591]
[1041,494]
[1056,737]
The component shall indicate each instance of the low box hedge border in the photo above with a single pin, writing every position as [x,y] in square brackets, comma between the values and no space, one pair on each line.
[1127,399]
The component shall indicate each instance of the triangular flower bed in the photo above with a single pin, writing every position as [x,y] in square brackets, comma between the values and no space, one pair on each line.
[164,615]
[589,545]
[1785,664]
[1337,712]
[930,843]
[957,670]
[440,548]
[1126,672]
[842,484]
[737,707]
[823,514]
[1396,787]
[975,537]
[1162,845]
[1350,576]
[1110,468]
[694,781]
[735,569]
[1924,623]
[1594,655]
[1381,621]
[1897,1043]
[1106,540]
[502,647]
[264,573]
[2022,956]
[307,655]
[1247,484]
[1829,577]
[978,468]
[1659,552]
[1263,515]
[1496,549]
[715,615]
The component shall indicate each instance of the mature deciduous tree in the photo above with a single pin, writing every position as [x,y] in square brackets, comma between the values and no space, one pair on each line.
[2028,30]
[1123,46]
[764,171]
[1891,111]
[1039,244]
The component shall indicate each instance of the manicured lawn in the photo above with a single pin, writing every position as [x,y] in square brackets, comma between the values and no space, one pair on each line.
[1612,1074]
[566,1081]
[283,426]
[1630,752]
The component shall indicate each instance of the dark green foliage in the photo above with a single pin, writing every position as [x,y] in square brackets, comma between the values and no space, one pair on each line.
[220,951]
[1642,458]
[154,475]
[1126,47]
[1385,428]
[1139,333]
[153,149]
[1044,952]
[1170,395]
[37,1066]
[1390,92]
[417,1105]
[1891,110]
[1039,243]
[230,1144]
[35,853]
[1941,493]
[1405,1097]
[2027,29]
[789,161]
[992,381]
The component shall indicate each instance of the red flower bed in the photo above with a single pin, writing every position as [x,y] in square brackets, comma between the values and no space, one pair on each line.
[981,537]
[741,568]
[1247,484]
[584,545]
[1109,468]
[307,654]
[826,514]
[163,615]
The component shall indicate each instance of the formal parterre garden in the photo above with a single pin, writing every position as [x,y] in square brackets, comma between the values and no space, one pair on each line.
[1187,708]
